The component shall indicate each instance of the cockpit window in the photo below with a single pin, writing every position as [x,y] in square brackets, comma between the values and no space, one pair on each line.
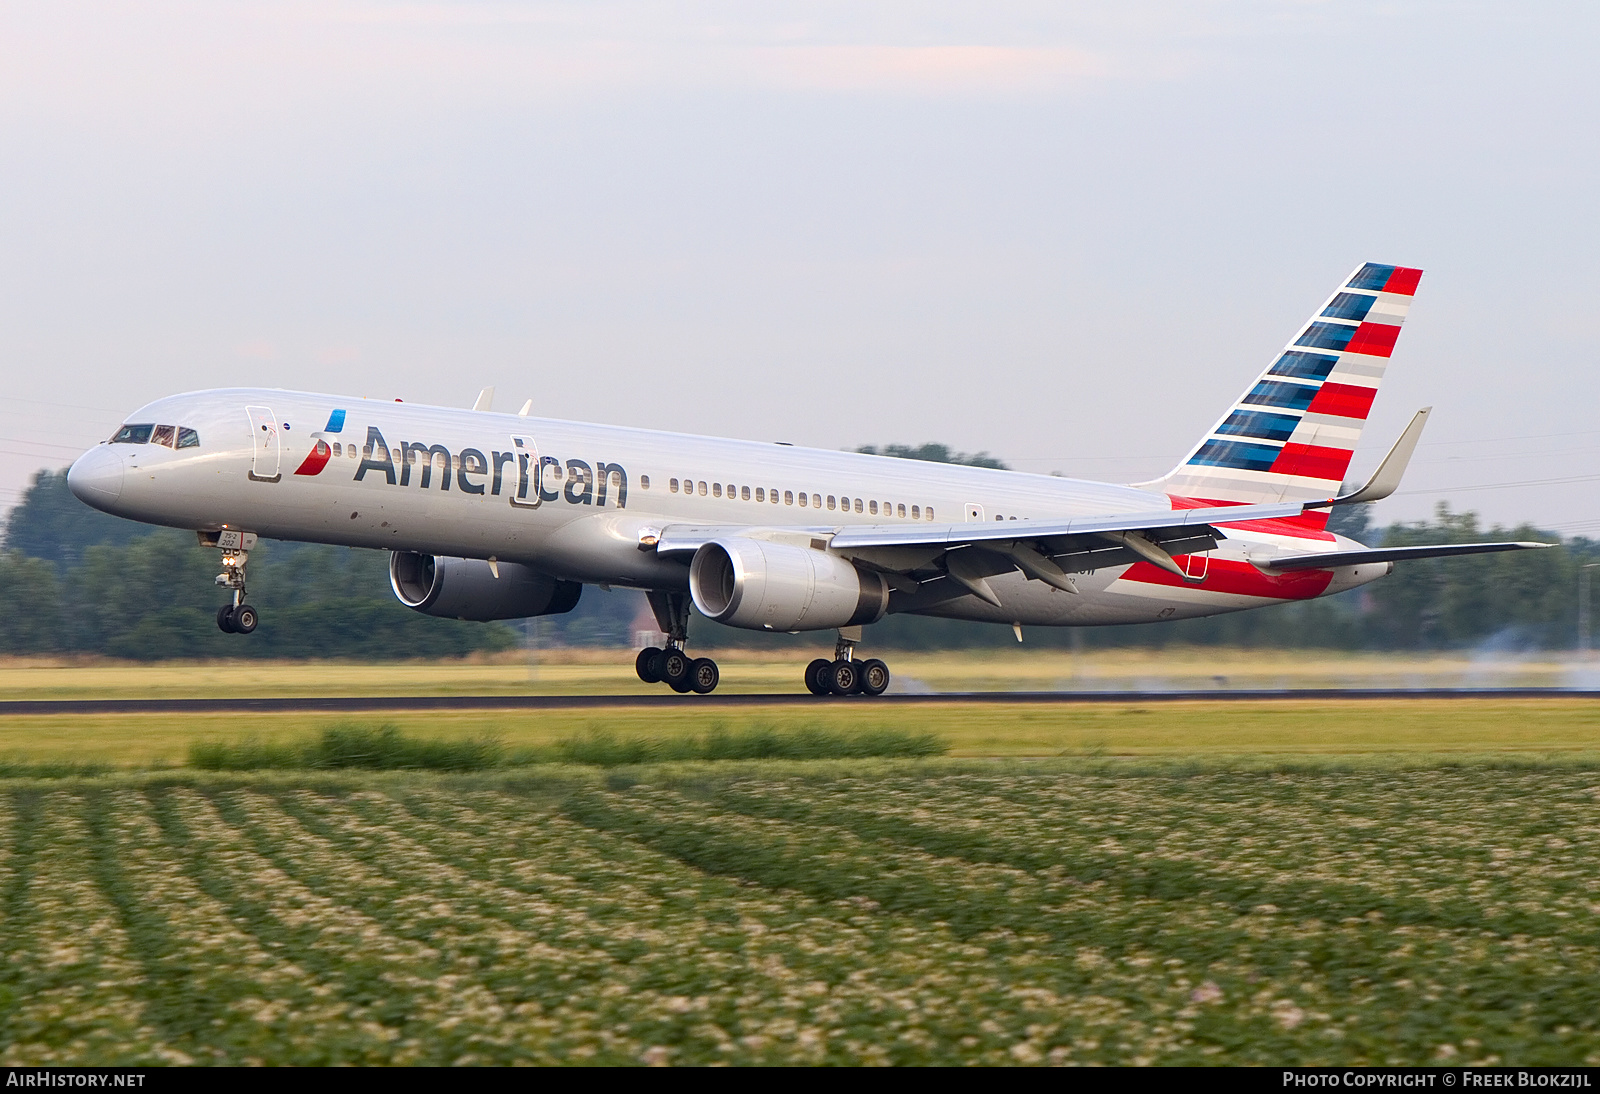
[133,434]
[188,438]
[165,434]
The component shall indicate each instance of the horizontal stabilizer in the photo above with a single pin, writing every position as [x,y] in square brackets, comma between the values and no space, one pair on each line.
[1331,559]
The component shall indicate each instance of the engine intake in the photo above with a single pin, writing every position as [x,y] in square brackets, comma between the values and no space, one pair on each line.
[465,588]
[759,585]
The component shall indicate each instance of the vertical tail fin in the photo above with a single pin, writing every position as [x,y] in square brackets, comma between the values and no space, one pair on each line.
[1290,436]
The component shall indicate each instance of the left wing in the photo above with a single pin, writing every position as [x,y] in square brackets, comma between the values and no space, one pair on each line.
[1045,550]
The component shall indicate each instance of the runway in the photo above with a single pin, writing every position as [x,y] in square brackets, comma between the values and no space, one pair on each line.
[347,704]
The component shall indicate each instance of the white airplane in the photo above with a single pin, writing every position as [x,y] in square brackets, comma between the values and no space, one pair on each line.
[505,516]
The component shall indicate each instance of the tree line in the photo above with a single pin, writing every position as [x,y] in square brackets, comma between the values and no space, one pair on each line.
[74,580]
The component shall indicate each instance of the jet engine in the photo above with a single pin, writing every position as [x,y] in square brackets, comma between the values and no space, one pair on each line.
[778,587]
[466,588]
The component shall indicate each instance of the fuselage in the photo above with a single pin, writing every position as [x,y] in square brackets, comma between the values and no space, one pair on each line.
[582,501]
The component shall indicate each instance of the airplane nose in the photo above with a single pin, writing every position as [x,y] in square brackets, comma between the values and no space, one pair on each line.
[96,477]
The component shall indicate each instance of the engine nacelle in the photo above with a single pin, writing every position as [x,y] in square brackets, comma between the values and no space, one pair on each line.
[777,587]
[465,588]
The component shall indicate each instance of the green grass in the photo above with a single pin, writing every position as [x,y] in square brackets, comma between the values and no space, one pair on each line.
[1315,910]
[386,748]
[1234,731]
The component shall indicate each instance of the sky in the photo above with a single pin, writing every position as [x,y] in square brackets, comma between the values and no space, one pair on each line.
[1067,234]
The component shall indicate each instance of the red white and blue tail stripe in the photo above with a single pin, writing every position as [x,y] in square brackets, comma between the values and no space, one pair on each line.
[1291,435]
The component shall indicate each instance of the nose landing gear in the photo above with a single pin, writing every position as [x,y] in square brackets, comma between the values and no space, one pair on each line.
[235,617]
[672,665]
[844,675]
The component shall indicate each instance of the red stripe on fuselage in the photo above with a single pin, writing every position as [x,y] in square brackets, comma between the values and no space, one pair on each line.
[1308,525]
[1233,576]
[1344,400]
[1312,461]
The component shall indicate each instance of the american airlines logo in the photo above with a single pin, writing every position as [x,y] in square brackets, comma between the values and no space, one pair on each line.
[513,474]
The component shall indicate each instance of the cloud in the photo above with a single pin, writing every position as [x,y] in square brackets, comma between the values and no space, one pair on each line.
[163,65]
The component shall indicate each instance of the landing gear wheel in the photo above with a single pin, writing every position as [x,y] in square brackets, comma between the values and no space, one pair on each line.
[841,676]
[675,669]
[873,677]
[245,619]
[648,664]
[703,676]
[225,619]
[814,682]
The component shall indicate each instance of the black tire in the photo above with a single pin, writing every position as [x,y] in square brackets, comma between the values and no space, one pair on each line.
[841,676]
[703,676]
[873,677]
[245,619]
[814,682]
[225,619]
[648,664]
[675,669]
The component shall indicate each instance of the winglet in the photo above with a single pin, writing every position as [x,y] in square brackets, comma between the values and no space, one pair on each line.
[485,399]
[1386,479]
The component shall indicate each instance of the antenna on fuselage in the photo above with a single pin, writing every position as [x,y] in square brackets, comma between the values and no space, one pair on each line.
[527,408]
[485,399]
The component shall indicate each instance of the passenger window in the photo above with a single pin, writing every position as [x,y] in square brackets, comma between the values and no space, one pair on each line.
[858,505]
[916,513]
[338,449]
[788,497]
[872,507]
[773,493]
[133,434]
[744,494]
[702,489]
[802,501]
[761,494]
[816,501]
[830,501]
[644,482]
[188,438]
[902,509]
[672,484]
[930,512]
[164,434]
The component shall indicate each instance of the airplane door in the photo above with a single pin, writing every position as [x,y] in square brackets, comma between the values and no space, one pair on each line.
[526,482]
[974,512]
[266,445]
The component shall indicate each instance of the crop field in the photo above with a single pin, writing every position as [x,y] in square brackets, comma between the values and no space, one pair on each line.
[937,911]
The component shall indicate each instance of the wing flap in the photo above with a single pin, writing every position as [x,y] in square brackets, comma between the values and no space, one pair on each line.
[1331,559]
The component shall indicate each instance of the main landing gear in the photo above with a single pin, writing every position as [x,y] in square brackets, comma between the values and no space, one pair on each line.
[672,666]
[844,675]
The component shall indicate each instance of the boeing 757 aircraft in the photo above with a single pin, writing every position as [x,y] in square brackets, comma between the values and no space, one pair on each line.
[506,516]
